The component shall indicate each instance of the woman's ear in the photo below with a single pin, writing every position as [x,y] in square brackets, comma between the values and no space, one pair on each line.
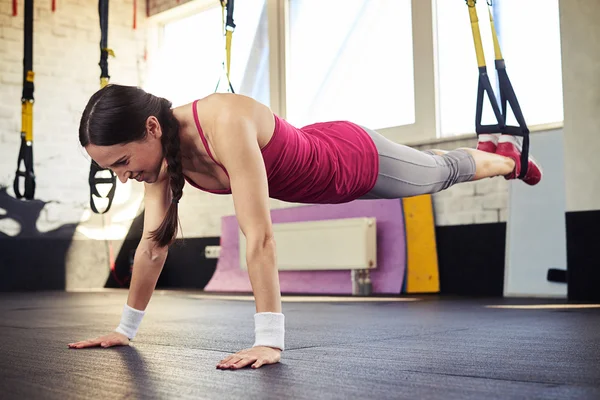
[153,127]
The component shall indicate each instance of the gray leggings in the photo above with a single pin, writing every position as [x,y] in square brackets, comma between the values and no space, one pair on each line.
[406,172]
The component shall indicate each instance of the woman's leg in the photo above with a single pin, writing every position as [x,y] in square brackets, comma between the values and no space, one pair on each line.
[487,165]
[405,172]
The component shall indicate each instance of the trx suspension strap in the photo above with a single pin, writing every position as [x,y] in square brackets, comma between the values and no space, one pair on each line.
[507,94]
[104,50]
[26,150]
[104,79]
[228,28]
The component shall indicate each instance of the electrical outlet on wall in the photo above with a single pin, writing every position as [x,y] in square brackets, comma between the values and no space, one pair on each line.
[212,251]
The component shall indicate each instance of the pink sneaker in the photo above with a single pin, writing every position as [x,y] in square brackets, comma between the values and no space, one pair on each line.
[510,146]
[487,142]
[488,147]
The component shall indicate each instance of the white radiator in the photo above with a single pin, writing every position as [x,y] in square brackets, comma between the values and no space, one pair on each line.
[339,244]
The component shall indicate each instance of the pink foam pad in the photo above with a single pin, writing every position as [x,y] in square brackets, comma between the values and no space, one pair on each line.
[388,278]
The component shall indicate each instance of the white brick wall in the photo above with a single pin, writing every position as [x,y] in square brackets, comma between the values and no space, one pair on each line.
[65,62]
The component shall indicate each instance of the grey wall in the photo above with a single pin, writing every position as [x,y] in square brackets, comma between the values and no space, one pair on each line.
[580,33]
[535,234]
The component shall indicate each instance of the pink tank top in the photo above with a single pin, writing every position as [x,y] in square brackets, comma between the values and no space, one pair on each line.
[326,162]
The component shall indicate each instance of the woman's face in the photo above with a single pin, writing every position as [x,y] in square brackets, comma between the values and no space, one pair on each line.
[141,160]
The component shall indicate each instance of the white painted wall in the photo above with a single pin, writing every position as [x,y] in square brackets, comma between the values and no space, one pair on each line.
[580,32]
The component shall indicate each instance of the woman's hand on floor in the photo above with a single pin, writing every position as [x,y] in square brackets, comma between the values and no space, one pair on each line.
[257,356]
[112,339]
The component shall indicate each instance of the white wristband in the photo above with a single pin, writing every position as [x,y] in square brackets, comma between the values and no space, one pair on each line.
[130,321]
[269,329]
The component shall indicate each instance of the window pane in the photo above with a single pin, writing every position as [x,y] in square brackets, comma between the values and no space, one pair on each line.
[530,40]
[192,52]
[457,66]
[351,60]
[528,32]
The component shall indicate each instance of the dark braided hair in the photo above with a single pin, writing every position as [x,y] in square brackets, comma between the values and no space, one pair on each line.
[117,114]
[167,231]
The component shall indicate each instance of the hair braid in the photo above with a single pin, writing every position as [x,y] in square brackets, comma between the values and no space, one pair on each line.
[172,151]
[167,232]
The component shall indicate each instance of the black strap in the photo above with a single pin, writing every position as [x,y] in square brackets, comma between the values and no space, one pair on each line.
[103,13]
[25,157]
[27,100]
[229,23]
[507,98]
[507,93]
[28,87]
[93,179]
[485,88]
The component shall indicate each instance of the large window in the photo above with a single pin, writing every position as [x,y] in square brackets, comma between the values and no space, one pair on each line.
[190,59]
[353,60]
[530,40]
[350,59]
[529,35]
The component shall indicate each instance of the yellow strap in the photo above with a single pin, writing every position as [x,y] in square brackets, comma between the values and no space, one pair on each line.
[497,52]
[27,119]
[228,37]
[110,52]
[476,33]
[27,112]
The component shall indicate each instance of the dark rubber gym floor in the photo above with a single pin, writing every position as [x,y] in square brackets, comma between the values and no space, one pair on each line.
[428,349]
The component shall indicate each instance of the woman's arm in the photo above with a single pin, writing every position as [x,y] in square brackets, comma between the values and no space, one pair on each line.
[235,142]
[149,257]
[147,265]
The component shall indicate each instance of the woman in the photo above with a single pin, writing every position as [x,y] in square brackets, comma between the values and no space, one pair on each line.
[231,144]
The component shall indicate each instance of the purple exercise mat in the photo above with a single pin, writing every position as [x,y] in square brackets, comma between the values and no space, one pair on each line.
[388,278]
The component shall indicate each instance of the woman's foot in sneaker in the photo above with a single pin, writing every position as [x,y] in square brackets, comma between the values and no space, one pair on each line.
[511,146]
[487,142]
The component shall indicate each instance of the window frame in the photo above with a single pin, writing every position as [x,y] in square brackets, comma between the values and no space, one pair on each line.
[425,79]
[425,129]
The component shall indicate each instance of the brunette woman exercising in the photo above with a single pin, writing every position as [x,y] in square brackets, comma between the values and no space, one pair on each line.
[231,144]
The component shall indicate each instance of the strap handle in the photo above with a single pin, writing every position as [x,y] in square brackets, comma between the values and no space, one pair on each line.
[26,158]
[95,180]
[507,93]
